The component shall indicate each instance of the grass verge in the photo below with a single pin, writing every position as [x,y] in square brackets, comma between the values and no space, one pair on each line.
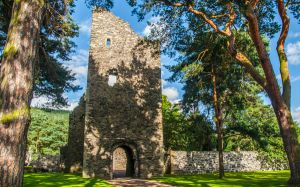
[262,178]
[61,180]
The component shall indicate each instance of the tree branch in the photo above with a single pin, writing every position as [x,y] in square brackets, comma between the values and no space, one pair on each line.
[254,3]
[206,19]
[291,3]
[232,16]
[284,70]
[240,57]
[272,85]
[197,13]
[172,4]
[219,16]
[245,62]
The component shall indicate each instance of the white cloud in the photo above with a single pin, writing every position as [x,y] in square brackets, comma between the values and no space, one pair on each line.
[171,93]
[164,82]
[294,35]
[278,77]
[79,64]
[177,101]
[295,79]
[71,106]
[293,53]
[43,102]
[85,27]
[39,102]
[296,115]
[81,70]
[148,28]
[154,24]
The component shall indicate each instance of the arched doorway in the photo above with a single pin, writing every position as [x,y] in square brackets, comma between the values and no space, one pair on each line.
[123,162]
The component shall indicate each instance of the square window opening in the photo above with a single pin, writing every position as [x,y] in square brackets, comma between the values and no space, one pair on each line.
[112,80]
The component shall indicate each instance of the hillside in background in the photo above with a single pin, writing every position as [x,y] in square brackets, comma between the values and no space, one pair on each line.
[48,132]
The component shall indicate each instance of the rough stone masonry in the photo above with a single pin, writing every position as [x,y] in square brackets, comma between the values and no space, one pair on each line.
[122,104]
[193,162]
[117,127]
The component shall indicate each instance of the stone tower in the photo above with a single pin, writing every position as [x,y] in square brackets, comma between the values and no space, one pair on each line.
[123,102]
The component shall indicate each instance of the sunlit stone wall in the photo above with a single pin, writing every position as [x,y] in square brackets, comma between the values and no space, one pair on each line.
[183,162]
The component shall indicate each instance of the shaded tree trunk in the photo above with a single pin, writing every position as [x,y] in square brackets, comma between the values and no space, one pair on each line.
[219,124]
[16,78]
[280,102]
[289,136]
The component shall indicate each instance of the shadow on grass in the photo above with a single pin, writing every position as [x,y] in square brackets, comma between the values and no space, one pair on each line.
[61,180]
[263,179]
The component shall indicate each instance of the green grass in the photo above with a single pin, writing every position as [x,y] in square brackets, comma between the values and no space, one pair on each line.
[61,180]
[263,179]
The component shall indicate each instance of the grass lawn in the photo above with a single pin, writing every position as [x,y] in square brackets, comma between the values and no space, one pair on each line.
[263,179]
[60,180]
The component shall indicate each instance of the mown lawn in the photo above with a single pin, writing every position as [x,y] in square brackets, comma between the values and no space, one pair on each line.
[261,179]
[61,180]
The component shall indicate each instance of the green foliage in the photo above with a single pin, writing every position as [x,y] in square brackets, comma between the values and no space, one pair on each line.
[105,4]
[62,180]
[177,23]
[294,7]
[244,126]
[254,179]
[192,132]
[202,59]
[249,130]
[48,132]
[52,78]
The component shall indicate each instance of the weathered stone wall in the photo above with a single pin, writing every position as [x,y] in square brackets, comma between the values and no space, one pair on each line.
[183,162]
[47,164]
[123,99]
[73,152]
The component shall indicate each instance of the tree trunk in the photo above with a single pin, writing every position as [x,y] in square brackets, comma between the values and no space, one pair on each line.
[16,78]
[280,102]
[290,139]
[219,124]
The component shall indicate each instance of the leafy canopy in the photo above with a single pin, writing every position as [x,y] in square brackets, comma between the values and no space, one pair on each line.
[185,132]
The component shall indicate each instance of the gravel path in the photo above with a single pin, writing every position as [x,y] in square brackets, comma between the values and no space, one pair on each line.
[124,182]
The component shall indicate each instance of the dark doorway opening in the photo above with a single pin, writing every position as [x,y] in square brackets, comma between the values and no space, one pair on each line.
[123,162]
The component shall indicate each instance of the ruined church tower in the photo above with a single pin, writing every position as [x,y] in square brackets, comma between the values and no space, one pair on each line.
[123,114]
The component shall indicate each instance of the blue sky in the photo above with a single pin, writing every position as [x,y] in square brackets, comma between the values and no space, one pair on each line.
[79,61]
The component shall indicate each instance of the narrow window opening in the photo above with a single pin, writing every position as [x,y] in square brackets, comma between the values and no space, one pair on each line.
[108,42]
[112,80]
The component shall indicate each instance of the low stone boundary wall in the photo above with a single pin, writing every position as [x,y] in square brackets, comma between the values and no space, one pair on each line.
[47,164]
[182,162]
